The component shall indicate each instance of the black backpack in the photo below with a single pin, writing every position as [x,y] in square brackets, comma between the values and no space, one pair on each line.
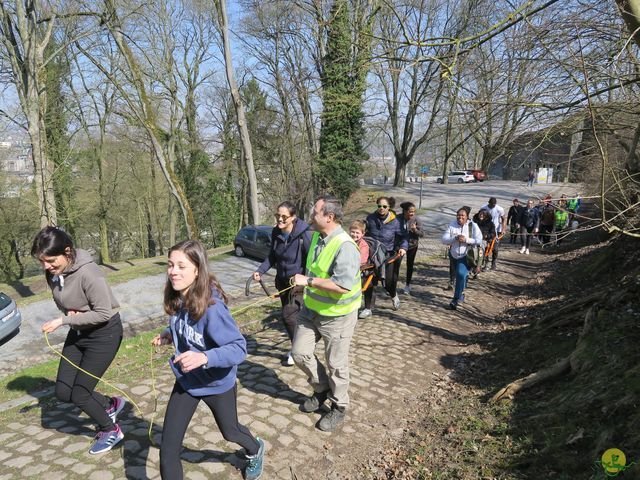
[377,257]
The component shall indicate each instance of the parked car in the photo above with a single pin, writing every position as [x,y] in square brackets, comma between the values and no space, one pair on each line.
[479,175]
[458,176]
[10,318]
[253,241]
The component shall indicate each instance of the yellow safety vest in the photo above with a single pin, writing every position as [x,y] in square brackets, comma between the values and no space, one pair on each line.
[325,303]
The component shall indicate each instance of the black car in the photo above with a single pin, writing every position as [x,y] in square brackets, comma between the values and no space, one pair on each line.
[253,241]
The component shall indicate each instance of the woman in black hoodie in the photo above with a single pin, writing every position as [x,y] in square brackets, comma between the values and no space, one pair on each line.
[488,229]
[290,242]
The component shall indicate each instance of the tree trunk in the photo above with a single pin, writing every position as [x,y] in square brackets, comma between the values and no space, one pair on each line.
[24,41]
[630,11]
[42,169]
[239,107]
[401,168]
[105,257]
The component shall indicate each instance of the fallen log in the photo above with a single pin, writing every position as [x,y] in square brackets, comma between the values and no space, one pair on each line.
[563,366]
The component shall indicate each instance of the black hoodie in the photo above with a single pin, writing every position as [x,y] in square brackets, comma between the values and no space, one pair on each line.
[486,226]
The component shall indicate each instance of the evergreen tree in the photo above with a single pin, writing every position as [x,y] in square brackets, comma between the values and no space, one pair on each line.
[343,84]
[55,120]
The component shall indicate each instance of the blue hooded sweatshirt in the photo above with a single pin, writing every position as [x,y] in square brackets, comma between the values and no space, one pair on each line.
[217,335]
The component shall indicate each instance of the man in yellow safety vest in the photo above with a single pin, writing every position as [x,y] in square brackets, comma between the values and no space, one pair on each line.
[331,300]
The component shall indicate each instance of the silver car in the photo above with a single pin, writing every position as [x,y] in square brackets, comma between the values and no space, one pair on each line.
[10,318]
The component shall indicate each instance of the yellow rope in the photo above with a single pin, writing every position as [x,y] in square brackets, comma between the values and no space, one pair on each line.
[151,366]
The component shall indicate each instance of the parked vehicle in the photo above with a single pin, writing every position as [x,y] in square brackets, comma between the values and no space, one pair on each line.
[479,175]
[458,176]
[253,241]
[10,318]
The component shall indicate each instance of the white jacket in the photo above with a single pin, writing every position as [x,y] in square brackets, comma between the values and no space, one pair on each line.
[459,249]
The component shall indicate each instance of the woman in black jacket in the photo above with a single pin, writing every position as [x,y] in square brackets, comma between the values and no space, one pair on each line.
[290,242]
[411,228]
[529,224]
[488,229]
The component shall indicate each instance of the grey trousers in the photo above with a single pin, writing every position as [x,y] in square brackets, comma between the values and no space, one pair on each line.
[336,332]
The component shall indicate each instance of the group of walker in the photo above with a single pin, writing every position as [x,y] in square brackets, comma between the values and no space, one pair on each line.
[319,270]
[474,242]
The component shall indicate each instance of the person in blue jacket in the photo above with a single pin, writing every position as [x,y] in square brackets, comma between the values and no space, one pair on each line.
[208,349]
[382,225]
[290,242]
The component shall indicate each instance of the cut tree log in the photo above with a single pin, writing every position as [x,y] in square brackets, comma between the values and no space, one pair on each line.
[565,365]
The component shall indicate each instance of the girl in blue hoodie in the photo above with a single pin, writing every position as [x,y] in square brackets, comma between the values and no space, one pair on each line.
[208,349]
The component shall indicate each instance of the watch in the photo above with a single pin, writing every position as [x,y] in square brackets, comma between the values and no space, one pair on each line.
[309,280]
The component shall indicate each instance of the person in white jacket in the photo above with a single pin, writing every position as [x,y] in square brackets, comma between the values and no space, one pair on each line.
[461,234]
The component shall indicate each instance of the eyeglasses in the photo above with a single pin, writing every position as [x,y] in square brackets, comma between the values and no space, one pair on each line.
[283,217]
[383,206]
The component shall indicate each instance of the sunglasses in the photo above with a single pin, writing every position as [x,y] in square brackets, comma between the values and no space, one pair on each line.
[283,217]
[383,206]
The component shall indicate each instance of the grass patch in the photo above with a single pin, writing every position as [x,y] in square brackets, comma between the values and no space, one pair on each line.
[133,361]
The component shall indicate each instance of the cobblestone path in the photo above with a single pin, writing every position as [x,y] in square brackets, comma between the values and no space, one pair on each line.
[394,357]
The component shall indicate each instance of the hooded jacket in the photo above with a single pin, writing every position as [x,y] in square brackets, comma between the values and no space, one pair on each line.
[529,217]
[486,226]
[216,335]
[387,231]
[83,288]
[288,252]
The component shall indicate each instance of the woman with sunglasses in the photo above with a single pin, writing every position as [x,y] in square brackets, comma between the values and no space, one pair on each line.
[290,242]
[382,225]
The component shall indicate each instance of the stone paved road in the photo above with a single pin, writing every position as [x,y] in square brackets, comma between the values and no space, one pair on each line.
[394,356]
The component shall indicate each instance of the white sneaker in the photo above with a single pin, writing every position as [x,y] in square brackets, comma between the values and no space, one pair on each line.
[526,251]
[365,313]
[290,361]
[396,302]
[522,250]
[407,289]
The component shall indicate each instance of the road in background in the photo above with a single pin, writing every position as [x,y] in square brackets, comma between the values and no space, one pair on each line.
[141,299]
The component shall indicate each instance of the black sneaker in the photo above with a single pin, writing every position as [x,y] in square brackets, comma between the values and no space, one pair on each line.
[314,402]
[331,420]
[452,306]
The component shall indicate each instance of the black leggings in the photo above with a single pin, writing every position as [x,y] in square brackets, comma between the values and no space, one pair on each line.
[545,233]
[527,235]
[411,258]
[92,350]
[291,305]
[180,410]
[390,283]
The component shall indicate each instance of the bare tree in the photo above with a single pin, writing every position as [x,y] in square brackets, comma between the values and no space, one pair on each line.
[25,31]
[94,104]
[142,107]
[247,151]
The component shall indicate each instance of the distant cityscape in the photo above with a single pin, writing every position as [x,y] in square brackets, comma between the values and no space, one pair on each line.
[15,156]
